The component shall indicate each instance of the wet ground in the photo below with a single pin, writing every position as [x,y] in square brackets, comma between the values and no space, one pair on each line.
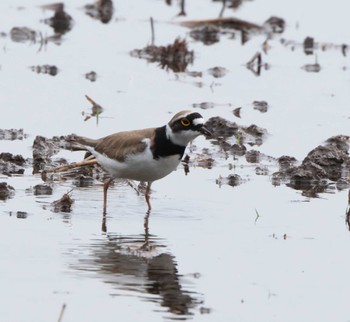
[258,229]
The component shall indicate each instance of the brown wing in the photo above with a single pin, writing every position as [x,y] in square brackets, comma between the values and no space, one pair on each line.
[119,145]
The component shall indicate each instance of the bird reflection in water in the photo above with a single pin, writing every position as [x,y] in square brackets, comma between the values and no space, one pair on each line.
[140,264]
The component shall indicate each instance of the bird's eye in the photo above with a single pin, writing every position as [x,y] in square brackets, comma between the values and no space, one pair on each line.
[185,121]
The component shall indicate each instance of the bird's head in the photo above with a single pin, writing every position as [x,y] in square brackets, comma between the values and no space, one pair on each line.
[185,126]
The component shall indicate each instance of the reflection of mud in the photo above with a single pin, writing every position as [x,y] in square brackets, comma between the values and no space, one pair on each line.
[209,31]
[12,134]
[175,56]
[126,265]
[23,34]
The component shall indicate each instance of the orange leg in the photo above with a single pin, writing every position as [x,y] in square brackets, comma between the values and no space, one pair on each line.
[147,196]
[106,184]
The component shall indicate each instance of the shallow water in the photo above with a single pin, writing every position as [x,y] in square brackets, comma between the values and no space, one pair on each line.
[217,252]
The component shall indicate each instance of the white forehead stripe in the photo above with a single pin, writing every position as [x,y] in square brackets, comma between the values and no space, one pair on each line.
[198,121]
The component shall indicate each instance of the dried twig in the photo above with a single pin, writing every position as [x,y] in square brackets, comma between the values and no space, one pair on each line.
[73,165]
[61,313]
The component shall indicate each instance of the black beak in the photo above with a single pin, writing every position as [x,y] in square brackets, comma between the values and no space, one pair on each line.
[205,131]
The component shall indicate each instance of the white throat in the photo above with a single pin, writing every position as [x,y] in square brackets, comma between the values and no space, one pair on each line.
[181,138]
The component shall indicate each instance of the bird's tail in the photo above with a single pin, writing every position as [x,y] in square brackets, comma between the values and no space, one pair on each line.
[81,143]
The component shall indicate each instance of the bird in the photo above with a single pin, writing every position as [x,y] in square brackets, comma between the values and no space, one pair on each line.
[143,155]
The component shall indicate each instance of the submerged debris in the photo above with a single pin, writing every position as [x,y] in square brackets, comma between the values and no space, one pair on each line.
[208,105]
[275,25]
[45,69]
[21,214]
[42,189]
[12,134]
[64,204]
[91,76]
[23,34]
[6,191]
[175,56]
[208,31]
[229,23]
[261,106]
[207,34]
[255,64]
[237,112]
[312,68]
[234,180]
[101,10]
[217,72]
[308,46]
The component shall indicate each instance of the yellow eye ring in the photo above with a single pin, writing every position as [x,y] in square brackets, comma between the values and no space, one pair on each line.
[185,121]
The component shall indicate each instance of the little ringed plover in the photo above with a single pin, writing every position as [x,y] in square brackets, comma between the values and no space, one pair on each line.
[144,155]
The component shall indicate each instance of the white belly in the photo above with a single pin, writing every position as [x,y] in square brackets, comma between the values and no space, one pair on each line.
[139,167]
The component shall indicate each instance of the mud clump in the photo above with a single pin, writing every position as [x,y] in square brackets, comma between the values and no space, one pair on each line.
[223,129]
[64,204]
[101,10]
[9,157]
[6,191]
[175,56]
[61,22]
[234,180]
[329,162]
[44,149]
[11,164]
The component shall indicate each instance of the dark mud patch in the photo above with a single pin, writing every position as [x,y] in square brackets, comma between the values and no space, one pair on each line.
[61,21]
[175,57]
[223,129]
[6,191]
[323,166]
